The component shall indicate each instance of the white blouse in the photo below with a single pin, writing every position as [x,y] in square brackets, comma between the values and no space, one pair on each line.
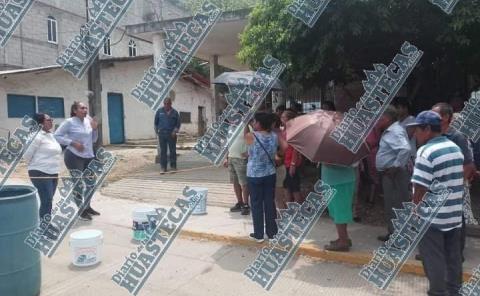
[74,129]
[44,154]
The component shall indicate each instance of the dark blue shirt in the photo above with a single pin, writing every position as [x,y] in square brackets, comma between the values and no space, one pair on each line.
[166,123]
[461,141]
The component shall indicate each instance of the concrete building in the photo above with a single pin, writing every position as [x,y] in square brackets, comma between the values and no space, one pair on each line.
[220,47]
[52,90]
[49,25]
[32,82]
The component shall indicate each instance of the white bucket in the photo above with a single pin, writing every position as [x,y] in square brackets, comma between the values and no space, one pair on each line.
[141,225]
[201,208]
[86,247]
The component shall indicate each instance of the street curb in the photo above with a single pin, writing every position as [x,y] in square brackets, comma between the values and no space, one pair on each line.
[181,147]
[313,251]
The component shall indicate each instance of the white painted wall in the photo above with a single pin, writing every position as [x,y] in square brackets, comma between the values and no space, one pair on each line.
[117,77]
[188,98]
[139,119]
[53,83]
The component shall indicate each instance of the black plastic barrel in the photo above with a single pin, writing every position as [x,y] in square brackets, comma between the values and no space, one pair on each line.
[20,266]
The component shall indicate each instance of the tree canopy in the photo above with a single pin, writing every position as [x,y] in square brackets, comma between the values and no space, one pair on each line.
[352,35]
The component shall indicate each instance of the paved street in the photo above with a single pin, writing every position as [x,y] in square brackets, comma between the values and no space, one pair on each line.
[200,267]
[204,268]
[211,254]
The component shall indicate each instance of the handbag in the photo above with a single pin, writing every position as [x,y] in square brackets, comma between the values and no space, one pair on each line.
[266,152]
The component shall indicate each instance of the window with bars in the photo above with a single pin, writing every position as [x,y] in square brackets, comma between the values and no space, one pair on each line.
[185,117]
[132,48]
[107,48]
[52,30]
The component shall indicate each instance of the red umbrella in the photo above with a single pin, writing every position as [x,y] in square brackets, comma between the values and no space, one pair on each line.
[310,135]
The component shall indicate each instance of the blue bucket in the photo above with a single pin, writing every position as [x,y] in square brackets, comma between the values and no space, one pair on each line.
[20,267]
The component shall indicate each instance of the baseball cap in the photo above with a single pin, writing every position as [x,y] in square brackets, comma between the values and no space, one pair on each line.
[426,118]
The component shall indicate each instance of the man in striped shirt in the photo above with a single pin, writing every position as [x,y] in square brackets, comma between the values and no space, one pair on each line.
[439,159]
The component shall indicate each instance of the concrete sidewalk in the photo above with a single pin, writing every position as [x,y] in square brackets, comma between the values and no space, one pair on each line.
[224,227]
[221,225]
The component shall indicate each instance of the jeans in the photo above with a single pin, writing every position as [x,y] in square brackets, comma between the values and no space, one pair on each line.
[442,261]
[46,186]
[166,141]
[262,192]
[74,162]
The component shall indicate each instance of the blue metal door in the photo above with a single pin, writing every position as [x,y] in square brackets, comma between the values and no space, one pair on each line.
[115,118]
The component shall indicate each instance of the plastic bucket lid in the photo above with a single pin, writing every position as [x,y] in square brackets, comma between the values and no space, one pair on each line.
[88,237]
[141,214]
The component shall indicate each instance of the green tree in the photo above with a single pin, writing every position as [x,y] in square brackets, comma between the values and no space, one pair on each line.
[351,35]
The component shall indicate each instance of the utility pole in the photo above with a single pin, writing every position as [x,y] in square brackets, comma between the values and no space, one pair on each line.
[95,90]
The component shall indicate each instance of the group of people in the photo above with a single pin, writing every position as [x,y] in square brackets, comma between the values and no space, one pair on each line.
[407,156]
[76,136]
[412,154]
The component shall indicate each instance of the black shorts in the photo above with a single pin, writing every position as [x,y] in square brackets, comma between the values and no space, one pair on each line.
[292,183]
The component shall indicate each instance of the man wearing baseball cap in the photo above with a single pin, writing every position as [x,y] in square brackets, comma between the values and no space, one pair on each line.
[439,159]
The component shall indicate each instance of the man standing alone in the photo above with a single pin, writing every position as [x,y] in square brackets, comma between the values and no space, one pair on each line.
[167,125]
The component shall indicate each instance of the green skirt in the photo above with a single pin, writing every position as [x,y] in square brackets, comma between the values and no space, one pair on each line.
[340,207]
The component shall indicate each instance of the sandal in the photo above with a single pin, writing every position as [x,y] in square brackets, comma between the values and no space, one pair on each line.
[336,242]
[335,247]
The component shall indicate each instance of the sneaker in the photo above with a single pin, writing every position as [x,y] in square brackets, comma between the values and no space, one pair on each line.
[85,216]
[237,207]
[163,171]
[258,240]
[245,210]
[91,211]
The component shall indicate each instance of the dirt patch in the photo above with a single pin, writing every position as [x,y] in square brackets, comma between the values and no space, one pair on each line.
[129,161]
